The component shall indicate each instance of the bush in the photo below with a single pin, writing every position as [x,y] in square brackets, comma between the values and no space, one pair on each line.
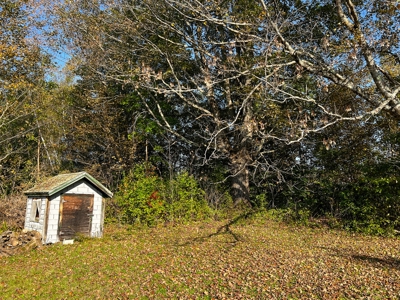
[375,206]
[139,197]
[186,200]
[145,198]
[368,204]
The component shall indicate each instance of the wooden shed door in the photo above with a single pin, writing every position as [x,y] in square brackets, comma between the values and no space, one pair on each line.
[76,215]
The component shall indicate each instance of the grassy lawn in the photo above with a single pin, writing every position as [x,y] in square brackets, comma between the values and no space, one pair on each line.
[252,260]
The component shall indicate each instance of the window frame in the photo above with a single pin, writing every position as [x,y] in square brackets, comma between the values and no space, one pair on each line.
[36,209]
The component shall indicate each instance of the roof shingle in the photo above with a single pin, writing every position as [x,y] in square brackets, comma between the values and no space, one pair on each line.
[57,183]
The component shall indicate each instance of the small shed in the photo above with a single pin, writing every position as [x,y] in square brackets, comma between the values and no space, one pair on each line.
[66,205]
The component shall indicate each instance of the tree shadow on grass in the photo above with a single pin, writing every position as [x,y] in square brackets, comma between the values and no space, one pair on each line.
[387,262]
[224,230]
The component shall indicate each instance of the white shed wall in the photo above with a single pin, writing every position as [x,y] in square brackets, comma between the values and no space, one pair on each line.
[31,224]
[52,223]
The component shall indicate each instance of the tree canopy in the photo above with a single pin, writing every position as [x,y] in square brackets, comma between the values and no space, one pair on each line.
[21,86]
[234,79]
[262,97]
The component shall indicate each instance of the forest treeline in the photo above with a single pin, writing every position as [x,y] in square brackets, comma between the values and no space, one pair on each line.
[187,108]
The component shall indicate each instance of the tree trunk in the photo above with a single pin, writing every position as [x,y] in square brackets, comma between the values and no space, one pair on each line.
[241,158]
[240,187]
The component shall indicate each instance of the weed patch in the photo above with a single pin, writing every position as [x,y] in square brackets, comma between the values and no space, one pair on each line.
[12,212]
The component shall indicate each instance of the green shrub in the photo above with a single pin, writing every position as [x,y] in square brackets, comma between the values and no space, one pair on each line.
[375,206]
[139,198]
[145,198]
[185,199]
[369,203]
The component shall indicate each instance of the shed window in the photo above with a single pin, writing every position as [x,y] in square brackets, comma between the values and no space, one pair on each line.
[35,210]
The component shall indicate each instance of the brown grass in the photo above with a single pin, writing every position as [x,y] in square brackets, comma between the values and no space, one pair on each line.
[12,212]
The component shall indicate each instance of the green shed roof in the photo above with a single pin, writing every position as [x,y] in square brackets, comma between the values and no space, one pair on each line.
[57,183]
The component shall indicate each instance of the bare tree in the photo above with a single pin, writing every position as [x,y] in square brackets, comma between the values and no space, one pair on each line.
[231,78]
[355,46]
